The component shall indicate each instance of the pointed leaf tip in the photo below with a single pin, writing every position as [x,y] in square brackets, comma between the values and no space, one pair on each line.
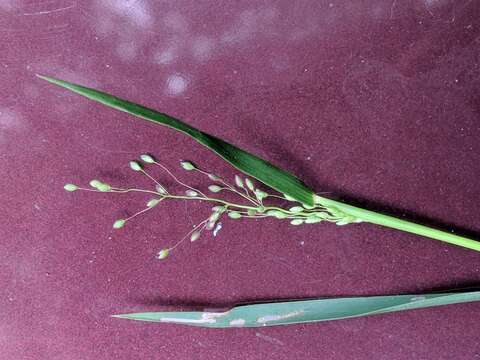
[250,164]
[49,79]
[123,316]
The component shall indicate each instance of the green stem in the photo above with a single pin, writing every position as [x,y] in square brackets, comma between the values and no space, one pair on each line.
[391,222]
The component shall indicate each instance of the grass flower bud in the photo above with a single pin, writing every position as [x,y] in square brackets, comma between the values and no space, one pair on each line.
[249,184]
[277,213]
[213,177]
[296,222]
[210,225]
[160,189]
[147,158]
[103,187]
[260,195]
[153,202]
[296,209]
[195,235]
[187,165]
[214,188]
[322,215]
[191,193]
[70,187]
[95,183]
[135,166]
[238,181]
[162,254]
[118,224]
[313,220]
[214,217]
[234,215]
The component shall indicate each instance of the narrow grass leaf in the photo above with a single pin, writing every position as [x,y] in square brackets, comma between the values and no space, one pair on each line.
[305,311]
[252,165]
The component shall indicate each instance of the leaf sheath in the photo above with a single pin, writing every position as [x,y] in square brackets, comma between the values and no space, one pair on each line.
[392,222]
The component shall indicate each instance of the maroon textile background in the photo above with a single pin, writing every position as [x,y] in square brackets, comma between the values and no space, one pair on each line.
[372,101]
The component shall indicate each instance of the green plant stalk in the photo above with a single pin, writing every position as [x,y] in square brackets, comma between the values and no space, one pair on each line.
[395,223]
[262,170]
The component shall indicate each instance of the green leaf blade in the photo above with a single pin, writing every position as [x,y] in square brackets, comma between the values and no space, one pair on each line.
[305,311]
[250,164]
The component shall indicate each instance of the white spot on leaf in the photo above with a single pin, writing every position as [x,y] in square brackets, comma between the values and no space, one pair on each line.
[268,318]
[237,322]
[187,321]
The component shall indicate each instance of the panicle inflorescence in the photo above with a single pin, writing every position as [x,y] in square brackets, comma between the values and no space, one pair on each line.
[250,205]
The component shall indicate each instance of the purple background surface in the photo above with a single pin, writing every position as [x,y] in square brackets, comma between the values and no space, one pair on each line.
[372,101]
